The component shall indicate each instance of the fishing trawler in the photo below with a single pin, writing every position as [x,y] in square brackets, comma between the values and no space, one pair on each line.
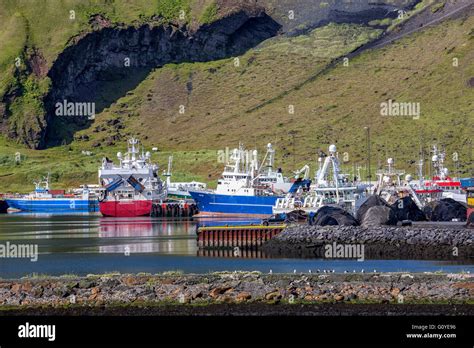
[44,200]
[180,190]
[441,185]
[244,189]
[130,188]
[393,184]
[330,187]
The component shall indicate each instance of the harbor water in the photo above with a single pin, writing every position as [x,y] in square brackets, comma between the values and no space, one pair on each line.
[91,244]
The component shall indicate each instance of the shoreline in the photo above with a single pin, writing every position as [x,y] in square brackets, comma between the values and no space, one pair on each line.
[240,293]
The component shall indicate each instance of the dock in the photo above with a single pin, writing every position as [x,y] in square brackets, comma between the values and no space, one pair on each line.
[236,236]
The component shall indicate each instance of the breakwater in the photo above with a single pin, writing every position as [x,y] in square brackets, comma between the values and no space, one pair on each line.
[384,242]
[81,294]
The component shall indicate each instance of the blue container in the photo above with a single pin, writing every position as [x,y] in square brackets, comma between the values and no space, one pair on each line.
[468,182]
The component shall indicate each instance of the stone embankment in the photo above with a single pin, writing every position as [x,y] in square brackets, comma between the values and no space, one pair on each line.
[118,293]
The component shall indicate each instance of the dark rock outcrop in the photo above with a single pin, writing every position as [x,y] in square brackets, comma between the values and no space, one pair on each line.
[121,57]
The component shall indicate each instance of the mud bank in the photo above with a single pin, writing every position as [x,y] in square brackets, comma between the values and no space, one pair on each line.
[385,242]
[240,293]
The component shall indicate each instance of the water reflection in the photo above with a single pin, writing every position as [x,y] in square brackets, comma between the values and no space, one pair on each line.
[147,235]
[96,234]
[233,253]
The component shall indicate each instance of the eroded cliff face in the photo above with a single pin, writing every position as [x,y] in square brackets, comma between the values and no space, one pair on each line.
[126,55]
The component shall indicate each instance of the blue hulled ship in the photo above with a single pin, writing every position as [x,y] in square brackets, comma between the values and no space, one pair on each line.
[246,188]
[42,201]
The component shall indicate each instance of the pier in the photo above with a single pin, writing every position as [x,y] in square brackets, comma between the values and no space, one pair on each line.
[236,236]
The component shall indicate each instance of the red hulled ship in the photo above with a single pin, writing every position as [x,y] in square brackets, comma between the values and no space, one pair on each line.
[130,188]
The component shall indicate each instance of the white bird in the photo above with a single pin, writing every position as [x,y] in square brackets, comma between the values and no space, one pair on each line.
[294,271]
[345,271]
[271,271]
[375,271]
[324,271]
[333,271]
[362,271]
[309,271]
[318,271]
[353,271]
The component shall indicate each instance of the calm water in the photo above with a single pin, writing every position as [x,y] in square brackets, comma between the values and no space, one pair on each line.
[82,244]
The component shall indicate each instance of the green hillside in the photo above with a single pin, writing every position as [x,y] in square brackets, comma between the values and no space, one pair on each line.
[194,109]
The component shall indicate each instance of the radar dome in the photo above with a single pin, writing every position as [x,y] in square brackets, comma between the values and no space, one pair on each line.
[434,158]
[332,148]
[408,178]
[390,161]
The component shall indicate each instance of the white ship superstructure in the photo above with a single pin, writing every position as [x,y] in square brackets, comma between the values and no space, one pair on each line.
[133,183]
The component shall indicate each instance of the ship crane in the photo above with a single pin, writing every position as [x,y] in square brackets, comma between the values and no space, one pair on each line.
[330,162]
[304,170]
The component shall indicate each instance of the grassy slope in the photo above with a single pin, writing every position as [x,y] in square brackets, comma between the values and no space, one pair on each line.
[49,32]
[333,108]
[256,79]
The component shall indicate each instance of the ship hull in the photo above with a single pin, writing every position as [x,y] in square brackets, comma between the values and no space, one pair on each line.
[3,206]
[126,208]
[211,204]
[55,205]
